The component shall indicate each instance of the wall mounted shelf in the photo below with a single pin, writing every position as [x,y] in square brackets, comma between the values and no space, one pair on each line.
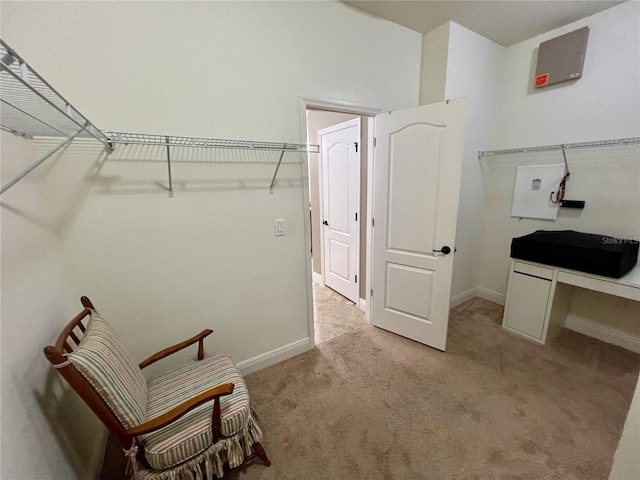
[31,107]
[115,138]
[567,146]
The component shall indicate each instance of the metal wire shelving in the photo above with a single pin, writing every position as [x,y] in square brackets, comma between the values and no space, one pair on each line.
[567,146]
[168,141]
[31,107]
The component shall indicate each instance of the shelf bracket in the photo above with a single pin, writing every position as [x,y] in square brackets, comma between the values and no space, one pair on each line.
[275,174]
[169,168]
[39,162]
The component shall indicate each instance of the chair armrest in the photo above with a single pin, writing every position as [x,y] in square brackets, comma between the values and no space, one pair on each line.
[175,348]
[177,412]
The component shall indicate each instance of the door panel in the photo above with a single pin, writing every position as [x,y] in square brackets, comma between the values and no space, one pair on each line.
[417,165]
[412,189]
[338,255]
[406,289]
[337,166]
[340,165]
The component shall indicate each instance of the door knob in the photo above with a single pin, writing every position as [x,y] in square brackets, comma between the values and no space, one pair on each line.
[446,250]
[325,222]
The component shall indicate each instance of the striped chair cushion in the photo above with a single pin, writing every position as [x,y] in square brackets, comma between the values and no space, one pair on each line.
[192,433]
[106,364]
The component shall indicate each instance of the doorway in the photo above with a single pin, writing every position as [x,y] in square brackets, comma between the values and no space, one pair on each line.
[337,313]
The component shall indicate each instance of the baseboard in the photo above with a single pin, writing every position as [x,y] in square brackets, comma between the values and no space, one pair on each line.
[362,304]
[460,298]
[601,332]
[317,278]
[274,356]
[97,457]
[491,296]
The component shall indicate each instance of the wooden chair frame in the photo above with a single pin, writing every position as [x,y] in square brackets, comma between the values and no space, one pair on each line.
[68,341]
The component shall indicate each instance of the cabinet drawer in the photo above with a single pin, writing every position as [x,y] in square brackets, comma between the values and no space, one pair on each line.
[533,270]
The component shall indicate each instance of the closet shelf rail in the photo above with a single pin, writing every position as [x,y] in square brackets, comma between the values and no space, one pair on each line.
[200,142]
[32,107]
[167,141]
[567,146]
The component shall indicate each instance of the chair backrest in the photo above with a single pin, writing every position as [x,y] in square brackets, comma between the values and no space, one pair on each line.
[96,365]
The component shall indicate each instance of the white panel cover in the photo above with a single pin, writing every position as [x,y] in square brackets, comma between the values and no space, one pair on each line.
[532,191]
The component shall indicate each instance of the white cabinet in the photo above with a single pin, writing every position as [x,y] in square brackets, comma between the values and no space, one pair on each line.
[539,296]
[528,299]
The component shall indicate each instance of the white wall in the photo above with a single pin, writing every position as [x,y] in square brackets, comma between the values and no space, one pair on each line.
[47,432]
[626,462]
[435,53]
[604,104]
[162,269]
[473,70]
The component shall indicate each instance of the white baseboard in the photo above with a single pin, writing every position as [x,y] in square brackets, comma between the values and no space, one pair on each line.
[477,292]
[97,456]
[274,356]
[362,304]
[602,332]
[494,297]
[317,278]
[463,297]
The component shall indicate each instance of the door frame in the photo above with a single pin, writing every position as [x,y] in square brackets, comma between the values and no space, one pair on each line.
[321,206]
[316,103]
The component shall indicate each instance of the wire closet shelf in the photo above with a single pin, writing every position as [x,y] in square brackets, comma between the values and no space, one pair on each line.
[200,142]
[31,107]
[567,146]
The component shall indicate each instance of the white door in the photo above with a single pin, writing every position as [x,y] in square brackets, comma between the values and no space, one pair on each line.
[340,154]
[417,166]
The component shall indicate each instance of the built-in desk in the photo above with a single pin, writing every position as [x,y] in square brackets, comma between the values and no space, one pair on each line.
[538,296]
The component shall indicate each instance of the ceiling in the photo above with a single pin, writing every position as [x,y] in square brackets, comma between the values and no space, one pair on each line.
[504,22]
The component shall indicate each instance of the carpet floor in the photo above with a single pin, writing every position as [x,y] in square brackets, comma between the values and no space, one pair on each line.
[373,405]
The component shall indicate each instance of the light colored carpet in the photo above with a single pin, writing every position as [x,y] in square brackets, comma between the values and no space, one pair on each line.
[373,405]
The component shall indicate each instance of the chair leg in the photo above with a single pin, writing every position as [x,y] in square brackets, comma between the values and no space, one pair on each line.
[262,455]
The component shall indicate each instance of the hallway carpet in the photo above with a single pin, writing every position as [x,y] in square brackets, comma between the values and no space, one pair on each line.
[373,405]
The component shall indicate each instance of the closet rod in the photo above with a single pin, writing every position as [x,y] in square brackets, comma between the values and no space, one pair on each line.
[37,164]
[566,146]
[25,71]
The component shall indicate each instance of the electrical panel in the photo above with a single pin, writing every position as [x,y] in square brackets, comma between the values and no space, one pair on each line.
[561,58]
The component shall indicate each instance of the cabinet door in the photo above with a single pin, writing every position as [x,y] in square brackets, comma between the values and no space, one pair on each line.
[528,304]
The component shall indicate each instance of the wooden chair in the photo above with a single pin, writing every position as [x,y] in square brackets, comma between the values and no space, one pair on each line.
[193,416]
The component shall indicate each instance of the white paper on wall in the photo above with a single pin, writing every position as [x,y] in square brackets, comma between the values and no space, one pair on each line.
[532,191]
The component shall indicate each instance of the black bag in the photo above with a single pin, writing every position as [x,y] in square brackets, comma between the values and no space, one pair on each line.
[586,252]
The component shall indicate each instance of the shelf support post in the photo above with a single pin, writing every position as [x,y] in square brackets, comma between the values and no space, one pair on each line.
[39,162]
[275,174]
[169,168]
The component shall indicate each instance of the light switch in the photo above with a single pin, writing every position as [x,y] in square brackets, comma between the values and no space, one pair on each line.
[279,227]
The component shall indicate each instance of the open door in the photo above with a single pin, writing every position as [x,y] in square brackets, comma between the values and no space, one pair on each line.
[417,168]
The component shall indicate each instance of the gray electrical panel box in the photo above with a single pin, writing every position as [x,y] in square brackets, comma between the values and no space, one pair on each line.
[561,58]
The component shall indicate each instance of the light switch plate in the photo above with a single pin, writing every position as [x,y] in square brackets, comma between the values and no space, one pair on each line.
[279,227]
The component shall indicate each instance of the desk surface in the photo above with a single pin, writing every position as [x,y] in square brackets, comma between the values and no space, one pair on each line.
[627,286]
[631,279]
